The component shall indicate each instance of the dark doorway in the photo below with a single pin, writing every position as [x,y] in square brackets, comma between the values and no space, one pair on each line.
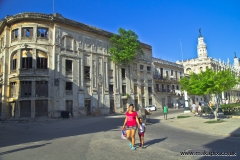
[41,108]
[69,106]
[112,107]
[25,108]
[88,107]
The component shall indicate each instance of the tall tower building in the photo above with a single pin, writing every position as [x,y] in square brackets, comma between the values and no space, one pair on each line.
[201,47]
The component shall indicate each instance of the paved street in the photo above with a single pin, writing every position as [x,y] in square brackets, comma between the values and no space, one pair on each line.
[99,138]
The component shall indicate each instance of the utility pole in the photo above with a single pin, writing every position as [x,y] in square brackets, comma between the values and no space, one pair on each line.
[53,7]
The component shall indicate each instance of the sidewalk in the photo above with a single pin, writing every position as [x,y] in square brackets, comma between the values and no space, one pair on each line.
[231,126]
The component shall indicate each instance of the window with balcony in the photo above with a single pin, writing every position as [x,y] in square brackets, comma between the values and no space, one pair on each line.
[167,74]
[111,89]
[68,65]
[41,60]
[87,72]
[42,32]
[26,59]
[123,73]
[12,89]
[124,89]
[149,90]
[14,34]
[27,32]
[150,101]
[26,88]
[135,89]
[157,87]
[41,88]
[148,68]
[14,62]
[142,89]
[68,86]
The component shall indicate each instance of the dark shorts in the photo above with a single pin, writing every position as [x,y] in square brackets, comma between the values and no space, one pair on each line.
[131,127]
[141,134]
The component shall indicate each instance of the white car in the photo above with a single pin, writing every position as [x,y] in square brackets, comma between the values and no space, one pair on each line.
[151,108]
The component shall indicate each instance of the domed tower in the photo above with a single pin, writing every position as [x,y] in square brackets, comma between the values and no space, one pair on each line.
[201,47]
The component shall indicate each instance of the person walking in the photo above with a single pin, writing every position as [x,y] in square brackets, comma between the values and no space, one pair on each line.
[131,122]
[141,132]
[193,108]
[199,109]
[165,111]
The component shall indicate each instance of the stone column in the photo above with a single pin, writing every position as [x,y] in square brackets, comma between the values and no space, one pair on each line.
[5,68]
[117,96]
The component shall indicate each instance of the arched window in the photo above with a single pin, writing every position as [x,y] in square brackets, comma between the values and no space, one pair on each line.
[14,61]
[42,60]
[26,59]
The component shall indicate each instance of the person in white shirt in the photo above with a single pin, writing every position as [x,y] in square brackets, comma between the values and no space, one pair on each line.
[193,108]
[141,131]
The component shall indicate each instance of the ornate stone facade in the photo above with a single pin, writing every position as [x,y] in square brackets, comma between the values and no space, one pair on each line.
[50,64]
[203,62]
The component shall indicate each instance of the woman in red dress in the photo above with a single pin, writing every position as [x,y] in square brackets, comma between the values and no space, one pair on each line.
[131,122]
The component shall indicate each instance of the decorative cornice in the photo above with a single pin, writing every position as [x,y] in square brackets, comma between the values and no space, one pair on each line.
[27,16]
[161,61]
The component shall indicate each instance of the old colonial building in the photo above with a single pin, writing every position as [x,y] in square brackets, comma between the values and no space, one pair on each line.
[202,62]
[166,78]
[50,64]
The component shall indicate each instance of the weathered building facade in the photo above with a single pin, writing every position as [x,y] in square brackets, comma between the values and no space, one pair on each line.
[202,62]
[50,64]
[166,78]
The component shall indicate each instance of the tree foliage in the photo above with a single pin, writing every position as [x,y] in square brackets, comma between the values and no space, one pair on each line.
[125,47]
[209,82]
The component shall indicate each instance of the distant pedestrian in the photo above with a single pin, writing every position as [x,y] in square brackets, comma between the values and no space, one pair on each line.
[141,131]
[165,111]
[193,108]
[176,105]
[131,122]
[199,109]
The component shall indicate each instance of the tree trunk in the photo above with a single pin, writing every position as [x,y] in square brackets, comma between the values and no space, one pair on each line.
[218,105]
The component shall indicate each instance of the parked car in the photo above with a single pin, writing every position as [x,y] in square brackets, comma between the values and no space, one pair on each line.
[151,108]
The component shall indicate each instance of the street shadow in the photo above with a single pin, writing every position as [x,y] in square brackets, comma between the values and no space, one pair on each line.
[13,133]
[229,146]
[154,141]
[24,148]
[152,121]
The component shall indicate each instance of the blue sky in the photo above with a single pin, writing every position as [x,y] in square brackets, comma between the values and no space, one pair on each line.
[159,23]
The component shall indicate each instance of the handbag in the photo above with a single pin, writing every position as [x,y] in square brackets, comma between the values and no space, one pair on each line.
[123,134]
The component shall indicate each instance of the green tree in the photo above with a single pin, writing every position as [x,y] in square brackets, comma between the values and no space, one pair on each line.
[209,82]
[125,47]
